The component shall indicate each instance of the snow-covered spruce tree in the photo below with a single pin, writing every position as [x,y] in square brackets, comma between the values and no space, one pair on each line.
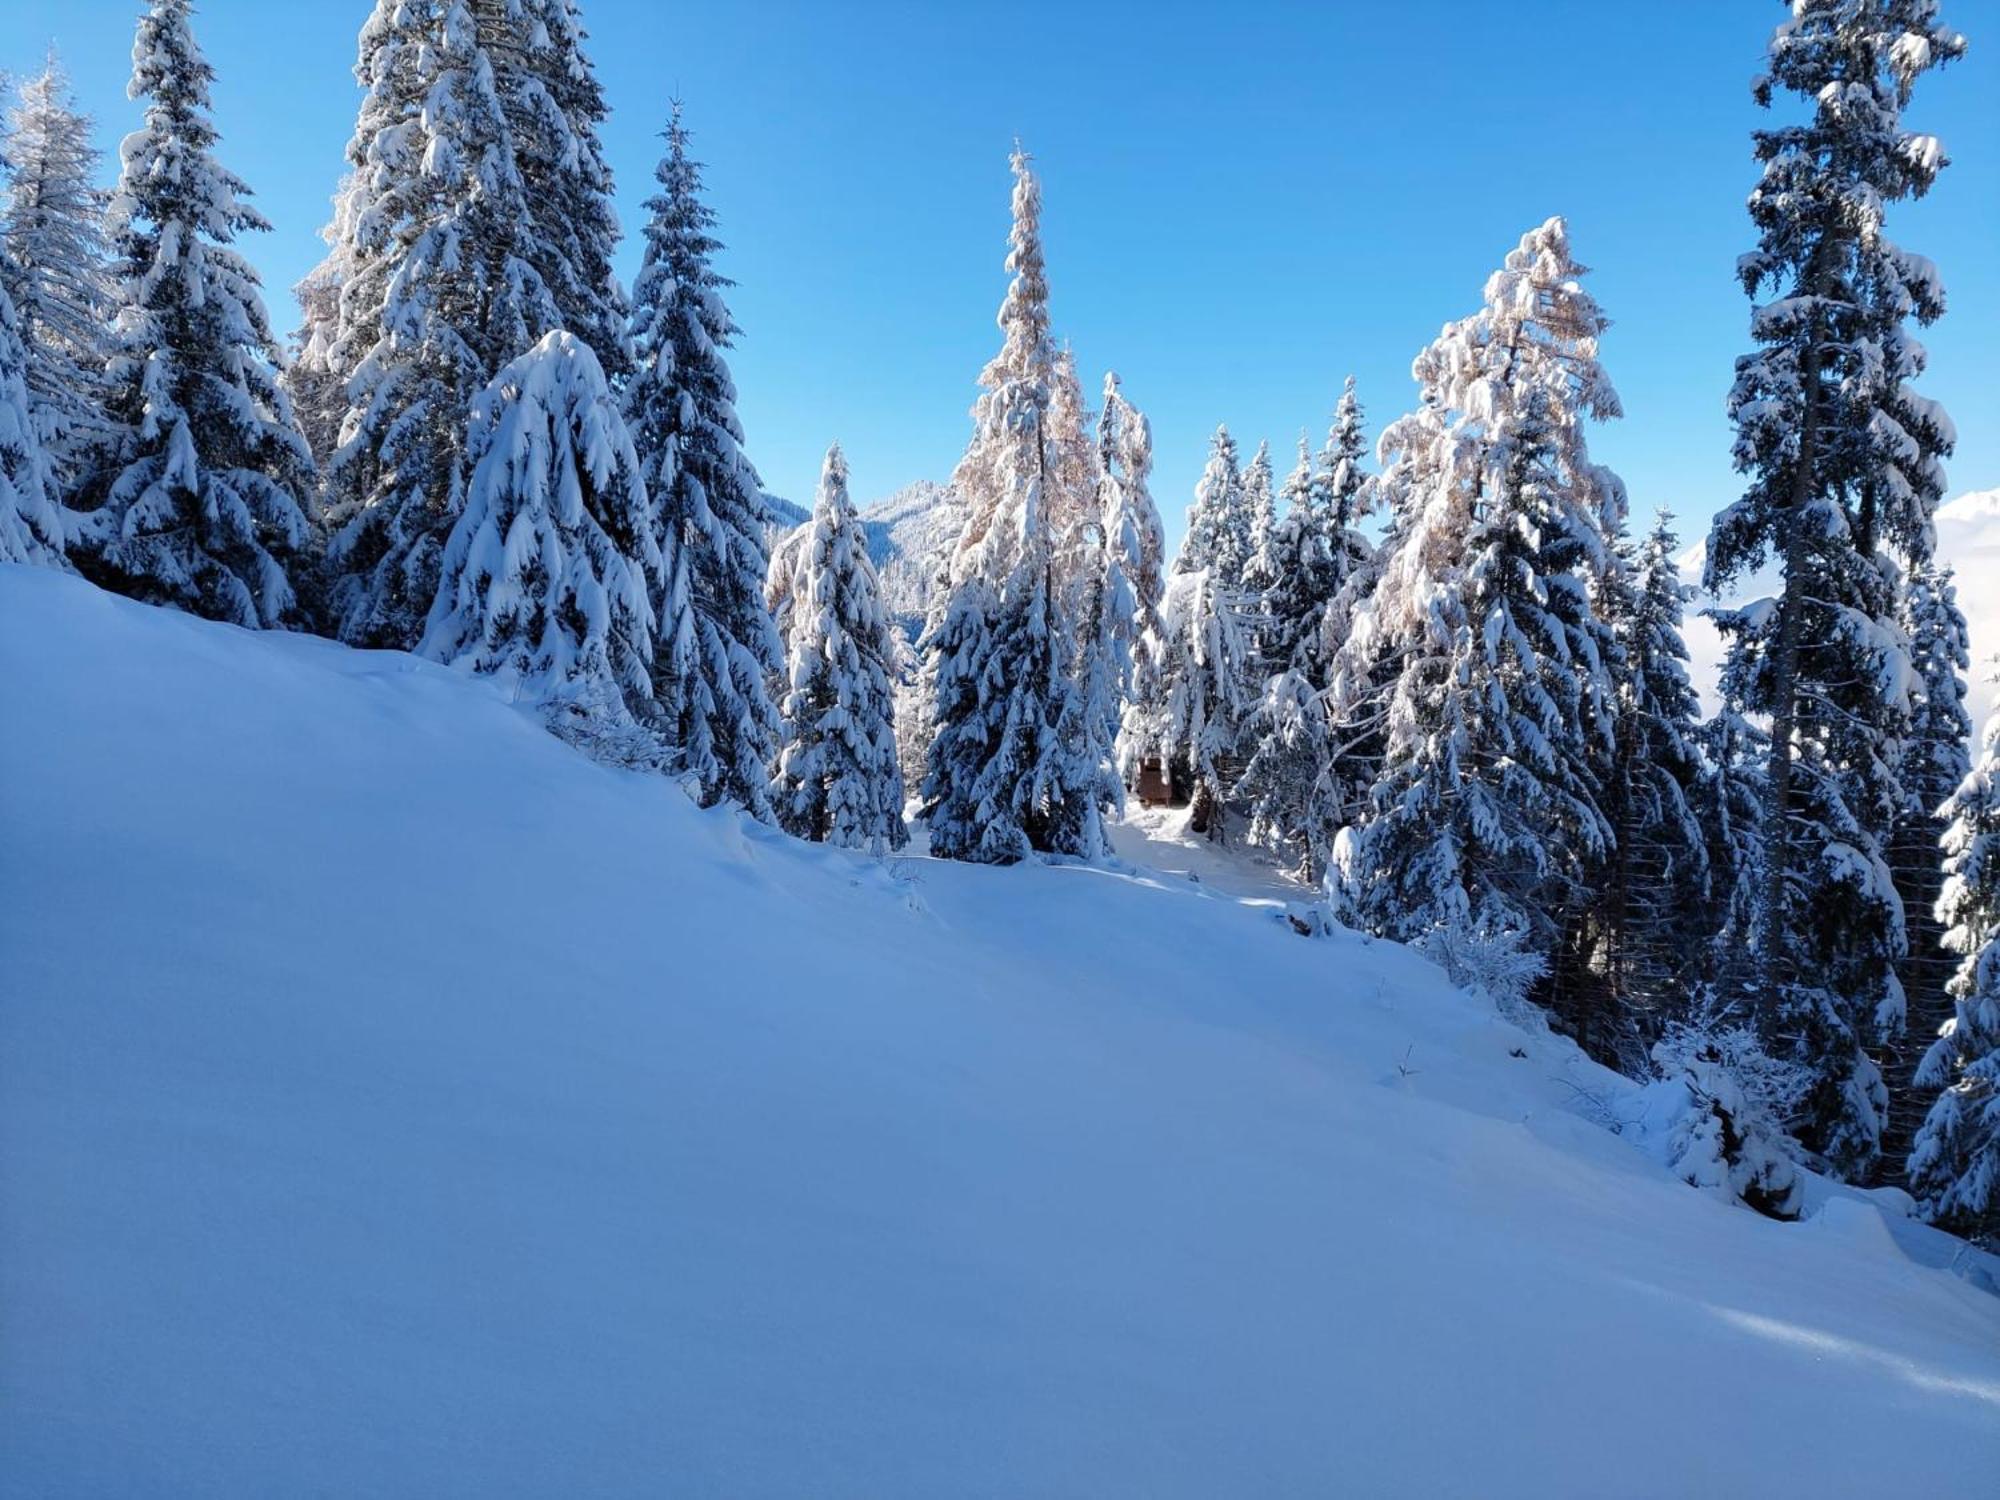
[55,266]
[1644,938]
[1208,670]
[1132,522]
[438,296]
[1260,508]
[534,132]
[1075,472]
[1954,1167]
[1087,732]
[1009,771]
[1218,523]
[1726,1135]
[716,648]
[30,520]
[1342,496]
[1842,458]
[196,504]
[1006,776]
[1287,784]
[316,375]
[1730,804]
[1092,536]
[544,574]
[1340,485]
[1935,762]
[838,780]
[554,108]
[1483,828]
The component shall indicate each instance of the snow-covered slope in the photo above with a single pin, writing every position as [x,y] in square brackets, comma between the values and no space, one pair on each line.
[394,1103]
[1968,531]
[785,515]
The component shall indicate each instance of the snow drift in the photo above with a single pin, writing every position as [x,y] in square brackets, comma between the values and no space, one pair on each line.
[393,1102]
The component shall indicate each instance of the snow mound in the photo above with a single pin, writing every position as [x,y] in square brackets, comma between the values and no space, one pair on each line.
[393,1102]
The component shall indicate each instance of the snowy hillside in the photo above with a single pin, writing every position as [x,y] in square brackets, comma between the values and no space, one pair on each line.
[908,535]
[394,1103]
[785,514]
[1968,537]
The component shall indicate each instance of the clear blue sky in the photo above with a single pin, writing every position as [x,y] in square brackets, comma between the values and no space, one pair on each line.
[1242,204]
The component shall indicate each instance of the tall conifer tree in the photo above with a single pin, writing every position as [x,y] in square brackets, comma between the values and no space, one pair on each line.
[717,647]
[838,780]
[1483,827]
[1012,770]
[30,521]
[545,571]
[55,266]
[438,293]
[1935,762]
[1843,461]
[197,502]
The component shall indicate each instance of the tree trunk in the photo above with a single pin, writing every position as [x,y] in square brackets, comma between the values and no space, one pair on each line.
[1785,676]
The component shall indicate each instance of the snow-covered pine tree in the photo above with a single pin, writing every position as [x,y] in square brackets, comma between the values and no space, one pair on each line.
[1340,491]
[1843,461]
[1954,1167]
[1218,530]
[438,296]
[1287,784]
[1075,477]
[1643,937]
[1260,509]
[1304,574]
[1366,657]
[717,648]
[1935,762]
[1105,617]
[1342,496]
[196,504]
[838,781]
[1208,671]
[54,265]
[30,520]
[1730,805]
[1132,521]
[1482,830]
[554,107]
[1125,449]
[544,580]
[1726,1134]
[1009,773]
[1092,535]
[316,375]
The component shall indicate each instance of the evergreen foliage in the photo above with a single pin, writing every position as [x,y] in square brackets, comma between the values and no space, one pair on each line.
[716,647]
[1842,456]
[837,780]
[196,502]
[55,268]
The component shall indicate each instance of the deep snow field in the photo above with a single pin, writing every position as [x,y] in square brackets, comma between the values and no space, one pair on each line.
[394,1103]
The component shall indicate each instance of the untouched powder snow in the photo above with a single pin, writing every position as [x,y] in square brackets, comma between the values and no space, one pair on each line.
[394,1103]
